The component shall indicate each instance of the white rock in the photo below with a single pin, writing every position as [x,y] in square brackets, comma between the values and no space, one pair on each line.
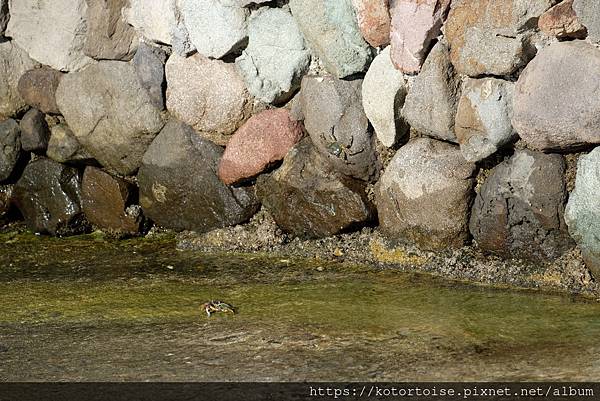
[216,27]
[276,57]
[383,93]
[52,32]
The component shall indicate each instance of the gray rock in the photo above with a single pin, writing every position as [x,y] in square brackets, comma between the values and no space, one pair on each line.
[519,209]
[13,63]
[109,37]
[556,103]
[34,131]
[424,195]
[246,3]
[52,32]
[582,213]
[149,62]
[6,203]
[308,200]
[38,89]
[276,57]
[483,117]
[430,106]
[4,16]
[331,29]
[588,13]
[383,93]
[336,122]
[48,195]
[10,143]
[110,113]
[179,187]
[216,27]
[209,95]
[63,146]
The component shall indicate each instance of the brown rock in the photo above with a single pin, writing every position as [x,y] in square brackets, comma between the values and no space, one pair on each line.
[373,21]
[34,131]
[261,141]
[561,21]
[106,202]
[108,35]
[38,88]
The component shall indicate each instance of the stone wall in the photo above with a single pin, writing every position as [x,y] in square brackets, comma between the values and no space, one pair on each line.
[443,122]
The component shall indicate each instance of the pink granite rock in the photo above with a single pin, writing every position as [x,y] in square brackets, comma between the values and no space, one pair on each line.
[561,21]
[263,139]
[415,23]
[373,20]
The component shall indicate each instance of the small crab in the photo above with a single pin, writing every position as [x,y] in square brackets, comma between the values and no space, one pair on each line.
[213,306]
[337,149]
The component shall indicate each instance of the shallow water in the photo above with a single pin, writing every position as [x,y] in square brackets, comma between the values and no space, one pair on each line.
[93,309]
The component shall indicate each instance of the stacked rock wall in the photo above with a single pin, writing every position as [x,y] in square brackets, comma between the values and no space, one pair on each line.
[443,122]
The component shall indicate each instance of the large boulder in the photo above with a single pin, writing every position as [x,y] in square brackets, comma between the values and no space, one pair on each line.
[160,22]
[108,202]
[383,92]
[415,24]
[332,32]
[110,113]
[430,106]
[48,195]
[263,140]
[424,195]
[276,57]
[308,200]
[483,117]
[556,100]
[38,89]
[588,13]
[336,122]
[53,32]
[34,131]
[216,27]
[179,187]
[149,62]
[10,143]
[374,20]
[109,37]
[14,62]
[582,213]
[209,95]
[561,21]
[519,208]
[490,37]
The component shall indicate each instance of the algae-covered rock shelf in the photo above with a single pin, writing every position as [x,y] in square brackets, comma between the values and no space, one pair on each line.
[448,127]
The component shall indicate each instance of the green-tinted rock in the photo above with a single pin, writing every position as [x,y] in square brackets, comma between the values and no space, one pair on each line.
[332,32]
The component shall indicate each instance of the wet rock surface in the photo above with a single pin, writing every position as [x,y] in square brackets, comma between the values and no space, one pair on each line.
[336,122]
[332,32]
[308,200]
[276,56]
[383,92]
[519,209]
[483,117]
[109,37]
[373,17]
[425,194]
[48,195]
[6,196]
[13,63]
[97,104]
[263,140]
[415,24]
[556,106]
[583,210]
[38,88]
[109,202]
[209,95]
[430,106]
[52,32]
[34,131]
[10,143]
[179,187]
